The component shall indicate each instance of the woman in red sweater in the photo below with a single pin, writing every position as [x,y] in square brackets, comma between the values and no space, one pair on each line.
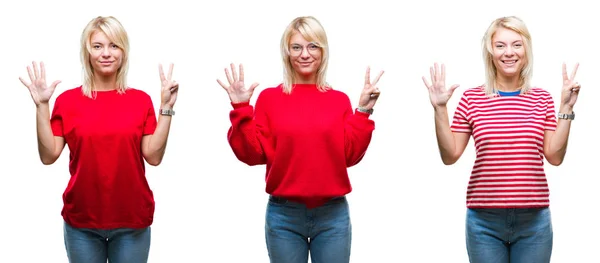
[110,129]
[307,135]
[514,127]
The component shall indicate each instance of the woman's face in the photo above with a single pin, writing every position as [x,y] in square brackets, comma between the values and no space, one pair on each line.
[305,57]
[105,56]
[508,52]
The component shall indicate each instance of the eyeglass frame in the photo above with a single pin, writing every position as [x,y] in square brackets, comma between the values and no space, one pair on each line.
[316,46]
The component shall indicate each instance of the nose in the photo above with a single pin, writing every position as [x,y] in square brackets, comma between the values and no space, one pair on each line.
[304,54]
[509,51]
[105,52]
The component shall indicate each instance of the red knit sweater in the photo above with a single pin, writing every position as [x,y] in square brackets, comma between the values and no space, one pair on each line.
[307,139]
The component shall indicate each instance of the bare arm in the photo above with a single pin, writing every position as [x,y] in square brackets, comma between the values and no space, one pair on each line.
[155,145]
[49,146]
[555,142]
[451,144]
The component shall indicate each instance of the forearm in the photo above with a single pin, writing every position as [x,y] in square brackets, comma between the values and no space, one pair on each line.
[445,138]
[45,137]
[558,142]
[157,144]
[244,136]
[359,130]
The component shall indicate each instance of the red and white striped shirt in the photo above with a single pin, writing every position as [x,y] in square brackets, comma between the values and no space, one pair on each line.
[509,140]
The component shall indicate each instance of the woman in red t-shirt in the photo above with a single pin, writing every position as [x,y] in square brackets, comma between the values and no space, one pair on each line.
[110,130]
[307,135]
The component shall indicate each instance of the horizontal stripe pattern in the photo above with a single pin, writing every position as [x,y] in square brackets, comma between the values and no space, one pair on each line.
[508,132]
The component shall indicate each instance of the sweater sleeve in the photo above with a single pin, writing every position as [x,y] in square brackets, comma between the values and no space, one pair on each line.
[358,129]
[248,134]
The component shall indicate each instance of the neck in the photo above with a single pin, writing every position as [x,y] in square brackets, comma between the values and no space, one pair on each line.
[506,83]
[105,83]
[302,79]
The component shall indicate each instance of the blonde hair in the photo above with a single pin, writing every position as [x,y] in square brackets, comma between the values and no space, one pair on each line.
[113,29]
[311,30]
[517,25]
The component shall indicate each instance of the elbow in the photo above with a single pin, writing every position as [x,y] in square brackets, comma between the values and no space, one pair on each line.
[48,160]
[449,160]
[555,161]
[154,161]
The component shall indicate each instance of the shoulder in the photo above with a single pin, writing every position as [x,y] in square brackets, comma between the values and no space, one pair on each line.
[70,94]
[539,92]
[137,92]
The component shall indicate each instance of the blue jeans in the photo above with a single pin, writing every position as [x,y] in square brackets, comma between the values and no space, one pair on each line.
[515,235]
[121,245]
[292,230]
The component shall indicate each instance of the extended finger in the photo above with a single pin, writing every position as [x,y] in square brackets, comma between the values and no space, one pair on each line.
[222,85]
[368,76]
[170,71]
[161,73]
[432,74]
[228,76]
[31,76]
[43,70]
[253,86]
[574,71]
[241,73]
[443,78]
[24,83]
[564,71]
[234,73]
[425,82]
[377,79]
[36,72]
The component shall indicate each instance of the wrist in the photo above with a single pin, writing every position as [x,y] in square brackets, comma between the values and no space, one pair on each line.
[166,107]
[565,109]
[365,110]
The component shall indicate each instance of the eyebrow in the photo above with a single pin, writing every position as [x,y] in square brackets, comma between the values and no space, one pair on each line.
[501,42]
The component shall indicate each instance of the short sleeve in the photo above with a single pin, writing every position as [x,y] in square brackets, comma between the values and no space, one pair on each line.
[56,119]
[150,122]
[460,121]
[550,121]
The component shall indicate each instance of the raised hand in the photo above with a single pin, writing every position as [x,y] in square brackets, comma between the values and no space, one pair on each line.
[370,92]
[39,90]
[236,90]
[438,94]
[169,88]
[570,89]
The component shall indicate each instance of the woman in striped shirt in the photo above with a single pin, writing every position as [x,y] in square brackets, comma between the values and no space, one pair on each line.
[514,127]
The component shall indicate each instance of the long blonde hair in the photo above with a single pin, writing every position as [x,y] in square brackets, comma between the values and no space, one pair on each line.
[515,24]
[113,29]
[311,30]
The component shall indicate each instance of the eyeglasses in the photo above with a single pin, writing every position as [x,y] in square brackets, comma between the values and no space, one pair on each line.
[312,49]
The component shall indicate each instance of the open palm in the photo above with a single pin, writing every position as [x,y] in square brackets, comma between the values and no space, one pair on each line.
[236,89]
[438,94]
[39,90]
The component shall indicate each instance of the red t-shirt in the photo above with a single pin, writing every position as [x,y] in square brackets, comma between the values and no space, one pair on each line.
[108,187]
[307,139]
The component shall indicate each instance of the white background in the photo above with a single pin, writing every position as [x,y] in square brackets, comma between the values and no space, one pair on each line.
[406,205]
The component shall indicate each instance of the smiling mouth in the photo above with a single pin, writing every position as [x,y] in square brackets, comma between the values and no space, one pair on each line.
[510,62]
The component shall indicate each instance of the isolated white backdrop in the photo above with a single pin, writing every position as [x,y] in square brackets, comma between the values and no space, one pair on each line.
[406,205]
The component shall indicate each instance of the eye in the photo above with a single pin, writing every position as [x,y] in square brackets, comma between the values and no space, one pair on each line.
[519,45]
[296,48]
[313,47]
[96,47]
[114,46]
[499,46]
